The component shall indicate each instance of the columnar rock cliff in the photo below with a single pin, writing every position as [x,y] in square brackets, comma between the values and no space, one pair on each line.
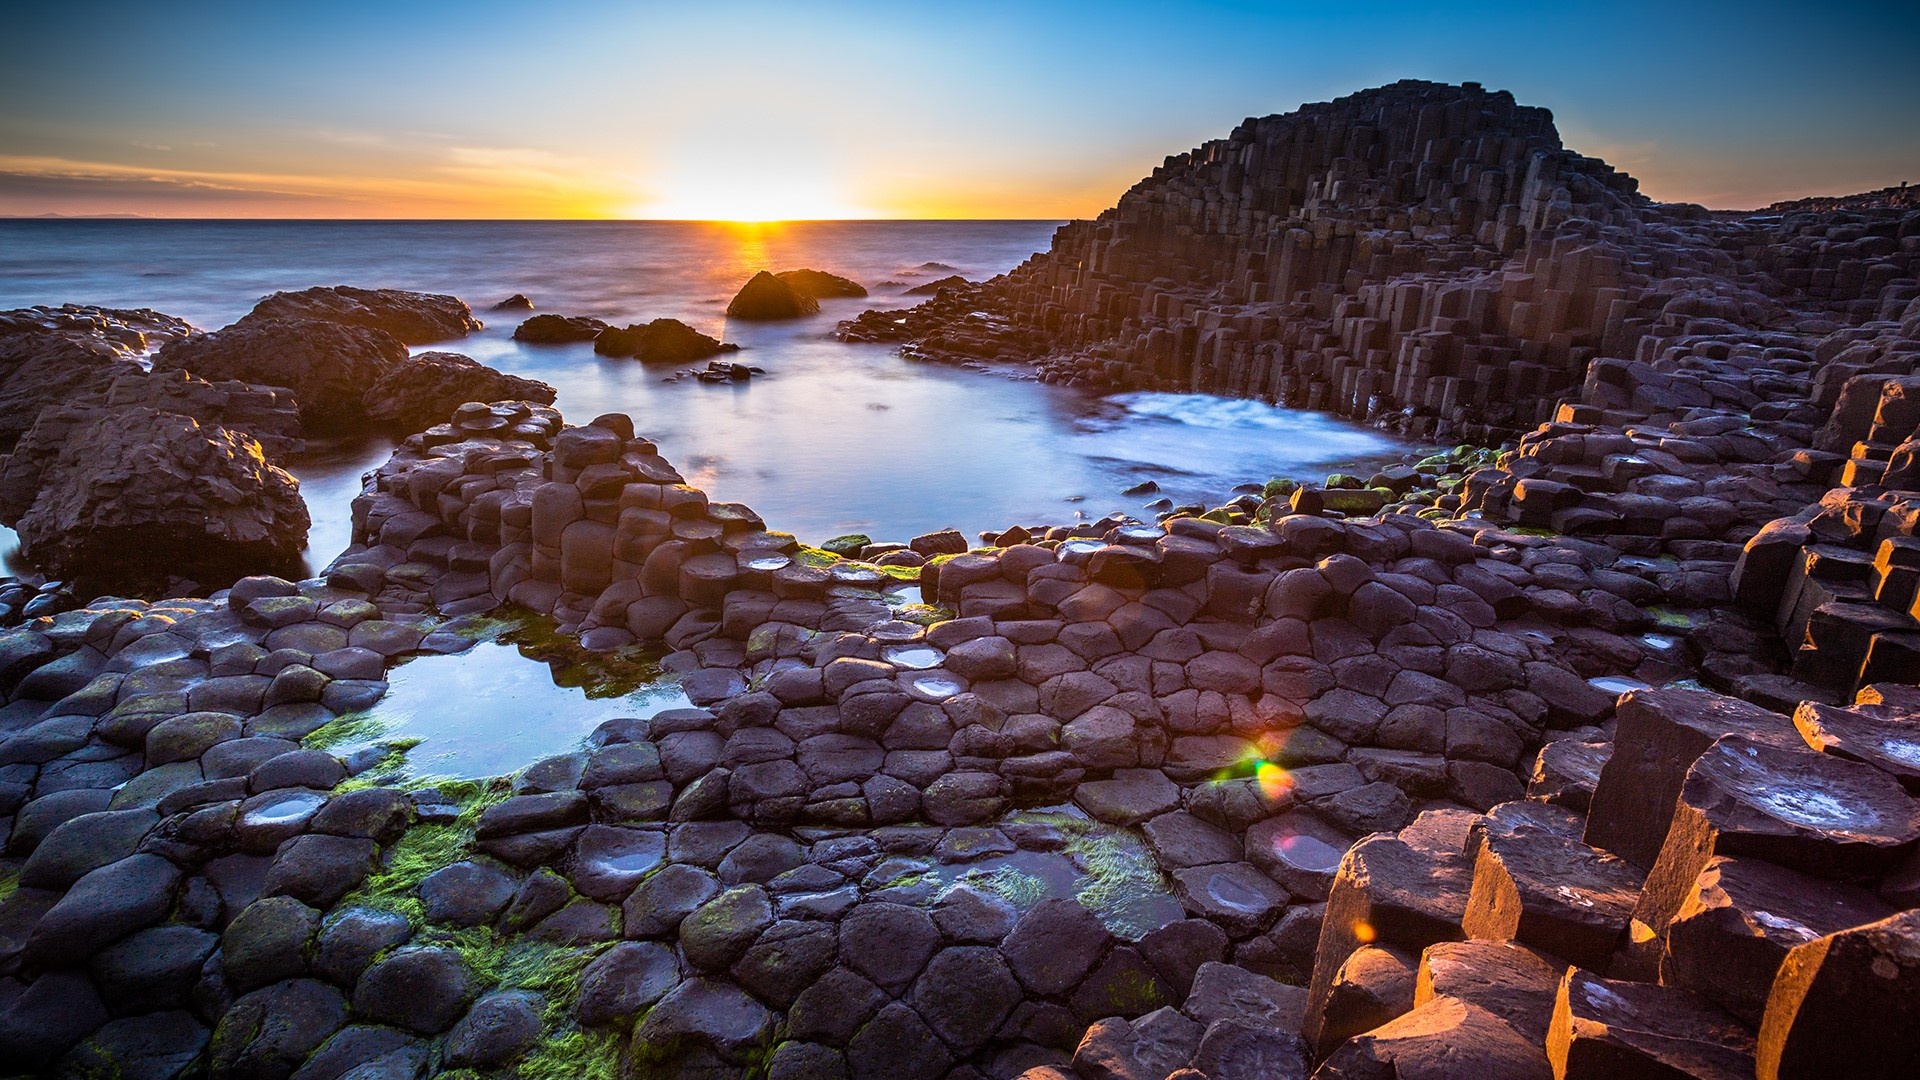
[1422,255]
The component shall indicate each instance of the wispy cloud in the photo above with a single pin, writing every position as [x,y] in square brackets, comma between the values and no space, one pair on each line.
[456,181]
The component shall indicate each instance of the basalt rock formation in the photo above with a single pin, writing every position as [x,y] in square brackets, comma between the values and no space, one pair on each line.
[328,365]
[1420,255]
[54,356]
[414,318]
[558,329]
[345,377]
[430,385]
[830,866]
[110,492]
[821,285]
[1589,757]
[662,341]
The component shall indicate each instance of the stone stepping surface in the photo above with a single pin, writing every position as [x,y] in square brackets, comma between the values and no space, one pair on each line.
[1198,795]
[1773,935]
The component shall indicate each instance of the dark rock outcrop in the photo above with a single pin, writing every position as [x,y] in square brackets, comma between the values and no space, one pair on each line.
[1424,256]
[552,329]
[124,493]
[430,385]
[933,288]
[768,297]
[821,285]
[55,356]
[662,341]
[414,318]
[516,302]
[327,365]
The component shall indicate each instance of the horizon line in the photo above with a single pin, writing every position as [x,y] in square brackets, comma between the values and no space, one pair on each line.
[517,220]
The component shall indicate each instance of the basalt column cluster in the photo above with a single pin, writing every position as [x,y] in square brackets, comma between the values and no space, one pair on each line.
[1420,254]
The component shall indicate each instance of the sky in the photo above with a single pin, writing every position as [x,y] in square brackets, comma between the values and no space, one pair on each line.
[984,109]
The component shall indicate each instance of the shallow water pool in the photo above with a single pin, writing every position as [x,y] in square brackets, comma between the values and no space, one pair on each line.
[497,708]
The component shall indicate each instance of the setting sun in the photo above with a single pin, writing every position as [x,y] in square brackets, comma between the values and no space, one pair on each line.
[766,183]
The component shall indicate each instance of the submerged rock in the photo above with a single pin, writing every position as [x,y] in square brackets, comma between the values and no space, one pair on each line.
[422,392]
[415,318]
[103,492]
[768,297]
[516,302]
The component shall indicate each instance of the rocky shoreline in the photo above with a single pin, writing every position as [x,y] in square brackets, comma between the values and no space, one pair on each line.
[1592,757]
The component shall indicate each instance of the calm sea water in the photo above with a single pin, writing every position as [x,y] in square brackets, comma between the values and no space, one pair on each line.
[836,438]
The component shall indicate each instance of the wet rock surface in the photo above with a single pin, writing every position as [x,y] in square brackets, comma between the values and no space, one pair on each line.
[765,296]
[411,317]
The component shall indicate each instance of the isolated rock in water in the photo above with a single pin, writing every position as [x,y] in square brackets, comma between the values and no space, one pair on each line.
[558,329]
[121,493]
[516,302]
[662,341]
[429,387]
[819,284]
[415,318]
[768,297]
[55,356]
[952,281]
[327,365]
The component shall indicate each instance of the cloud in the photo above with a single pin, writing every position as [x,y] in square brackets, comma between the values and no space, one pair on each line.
[452,182]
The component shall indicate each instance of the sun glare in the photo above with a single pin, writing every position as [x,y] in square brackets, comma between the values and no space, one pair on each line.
[739,191]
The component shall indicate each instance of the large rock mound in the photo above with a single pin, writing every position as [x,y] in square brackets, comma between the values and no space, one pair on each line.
[52,356]
[425,390]
[552,329]
[122,494]
[328,365]
[415,318]
[768,297]
[820,285]
[662,341]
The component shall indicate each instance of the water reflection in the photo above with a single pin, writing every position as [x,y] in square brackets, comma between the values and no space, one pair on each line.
[505,703]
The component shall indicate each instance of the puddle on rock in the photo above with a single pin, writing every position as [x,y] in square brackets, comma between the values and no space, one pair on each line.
[520,694]
[1616,684]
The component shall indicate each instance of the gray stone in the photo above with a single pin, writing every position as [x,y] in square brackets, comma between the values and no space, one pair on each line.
[1055,945]
[352,937]
[267,942]
[897,1043]
[703,1013]
[722,929]
[152,970]
[318,869]
[624,980]
[499,1028]
[269,1032]
[103,907]
[888,943]
[84,844]
[421,989]
[468,893]
[657,906]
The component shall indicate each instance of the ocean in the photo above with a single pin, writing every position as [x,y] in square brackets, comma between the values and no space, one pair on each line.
[835,438]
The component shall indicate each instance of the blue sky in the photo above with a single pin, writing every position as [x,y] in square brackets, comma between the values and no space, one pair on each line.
[894,110]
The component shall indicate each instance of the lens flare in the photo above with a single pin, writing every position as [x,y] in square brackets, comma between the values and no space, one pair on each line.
[1275,782]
